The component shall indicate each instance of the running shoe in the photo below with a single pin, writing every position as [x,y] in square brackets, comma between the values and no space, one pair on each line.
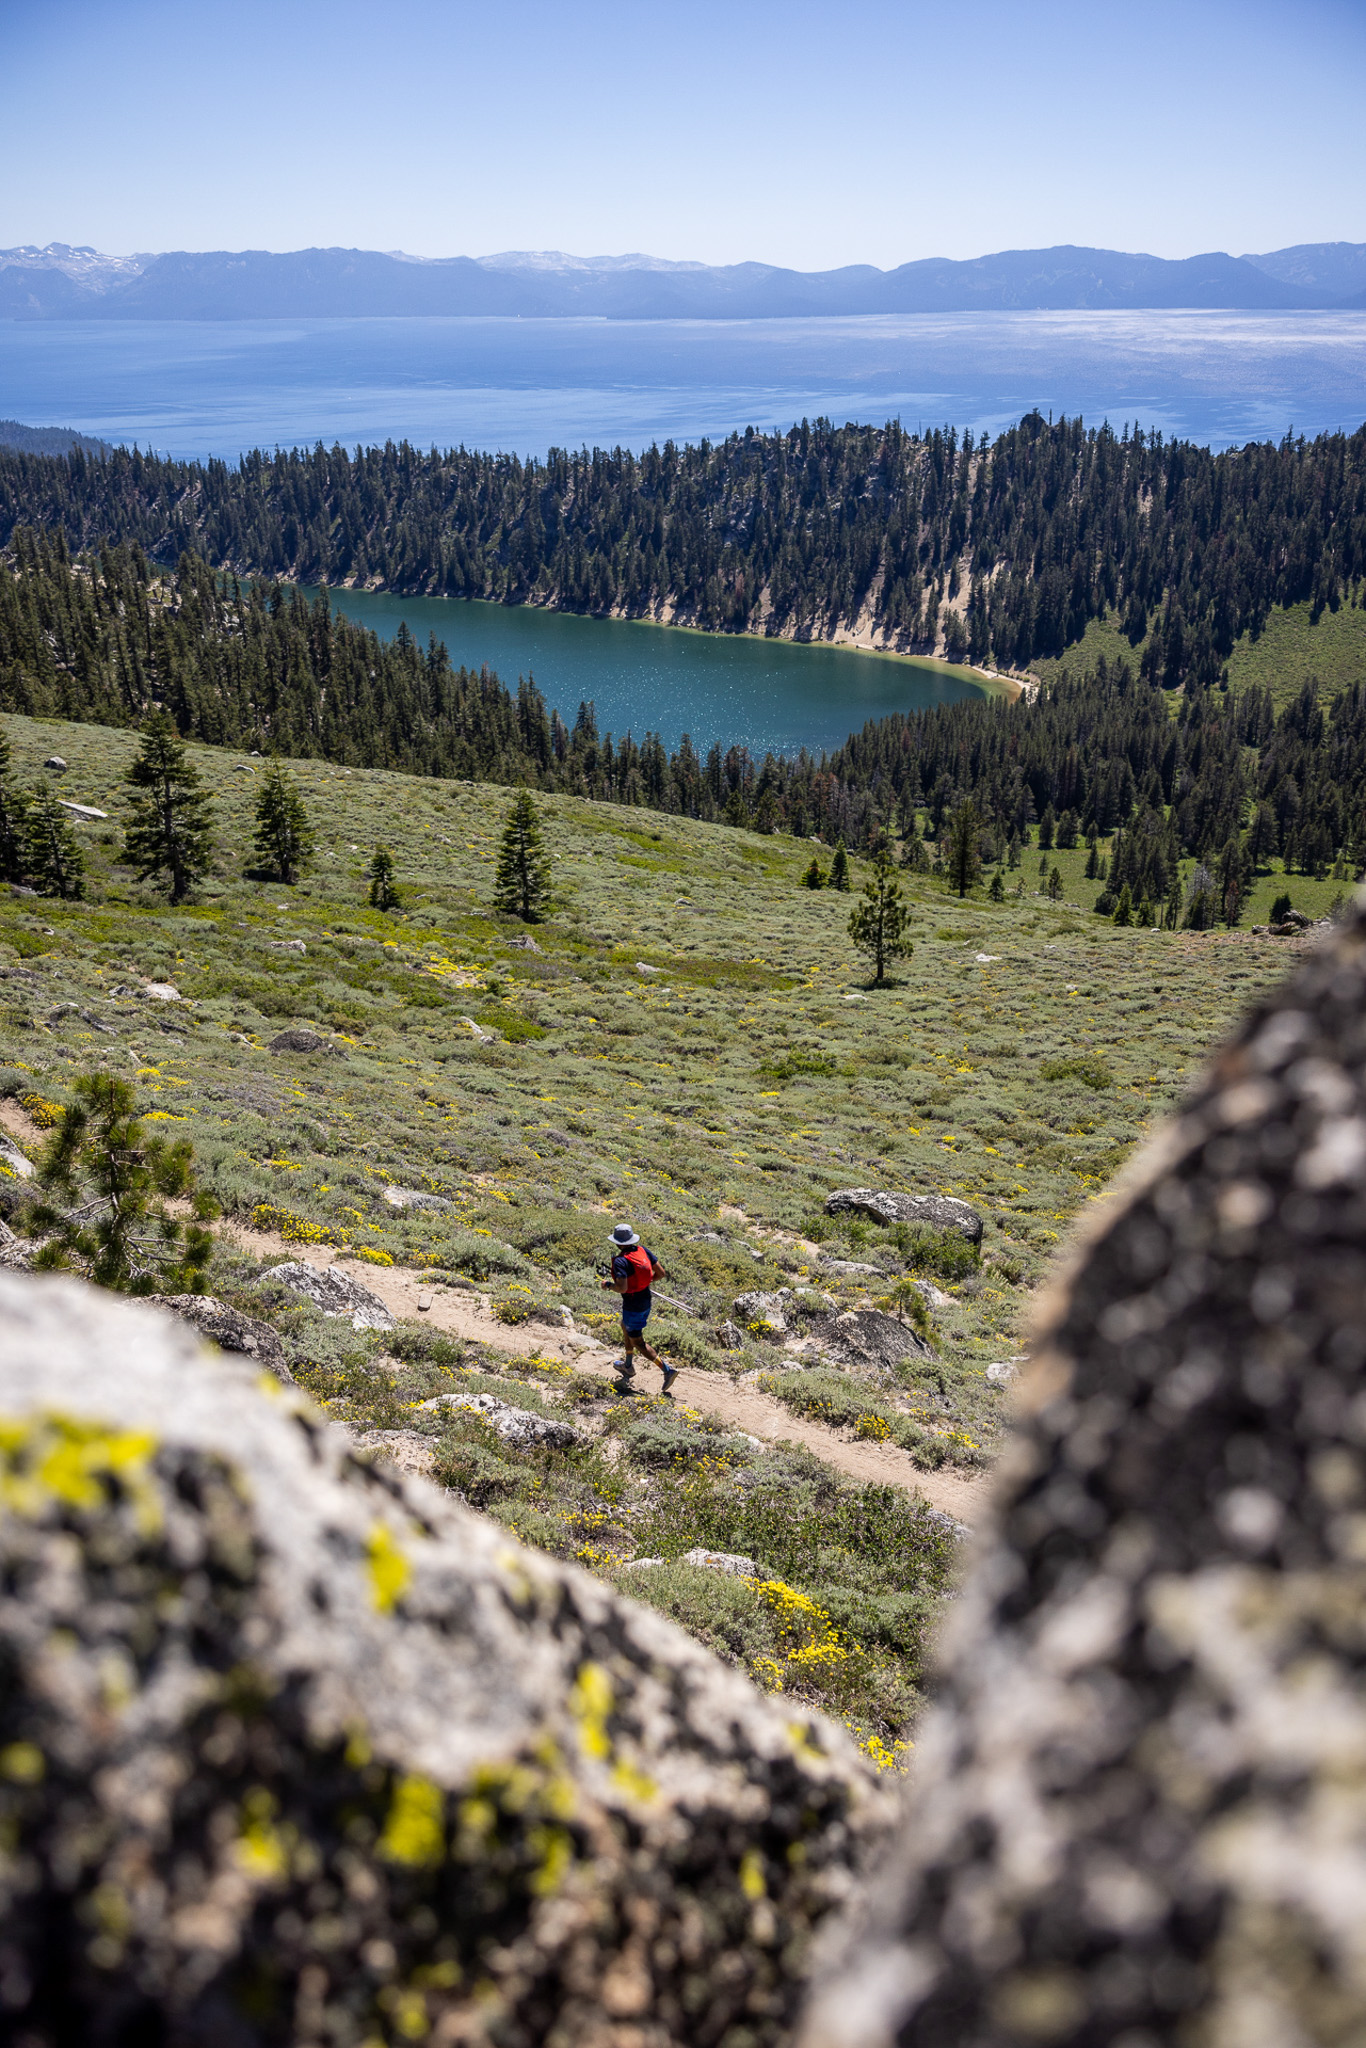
[670,1375]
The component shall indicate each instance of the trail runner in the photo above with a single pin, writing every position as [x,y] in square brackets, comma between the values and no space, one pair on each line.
[633,1272]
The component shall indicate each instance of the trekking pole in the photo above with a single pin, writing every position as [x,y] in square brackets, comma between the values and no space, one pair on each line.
[675,1304]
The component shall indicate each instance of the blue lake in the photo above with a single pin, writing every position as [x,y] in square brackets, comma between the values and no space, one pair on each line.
[219,387]
[769,695]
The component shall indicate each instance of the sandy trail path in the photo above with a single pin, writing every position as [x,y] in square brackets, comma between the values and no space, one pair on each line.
[414,1297]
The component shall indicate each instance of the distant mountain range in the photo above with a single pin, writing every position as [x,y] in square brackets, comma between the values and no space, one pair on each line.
[60,282]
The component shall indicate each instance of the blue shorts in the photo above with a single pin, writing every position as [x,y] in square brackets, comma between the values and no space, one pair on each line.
[633,1320]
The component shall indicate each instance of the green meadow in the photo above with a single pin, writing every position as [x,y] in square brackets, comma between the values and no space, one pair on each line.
[689,1043]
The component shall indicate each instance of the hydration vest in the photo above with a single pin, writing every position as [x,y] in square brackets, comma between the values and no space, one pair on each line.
[641,1269]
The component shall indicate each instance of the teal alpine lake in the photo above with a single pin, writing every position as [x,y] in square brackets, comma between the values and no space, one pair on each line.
[772,696]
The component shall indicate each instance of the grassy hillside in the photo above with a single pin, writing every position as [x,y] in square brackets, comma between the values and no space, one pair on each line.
[1291,648]
[715,1101]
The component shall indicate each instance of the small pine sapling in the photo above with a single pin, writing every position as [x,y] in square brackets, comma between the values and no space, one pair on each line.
[965,858]
[51,857]
[284,836]
[384,894]
[168,833]
[877,924]
[997,891]
[522,879]
[103,1194]
[839,868]
[814,878]
[1054,886]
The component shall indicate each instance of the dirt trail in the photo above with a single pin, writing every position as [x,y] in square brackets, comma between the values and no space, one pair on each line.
[413,1297]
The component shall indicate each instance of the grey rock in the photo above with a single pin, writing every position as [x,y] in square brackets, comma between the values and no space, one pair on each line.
[287,945]
[1139,1806]
[932,1296]
[1003,1371]
[760,1306]
[323,1747]
[526,943]
[848,1268]
[727,1561]
[414,1198]
[161,992]
[56,763]
[865,1336]
[938,1212]
[520,1427]
[729,1337]
[17,1161]
[296,1039]
[335,1293]
[230,1330]
[85,814]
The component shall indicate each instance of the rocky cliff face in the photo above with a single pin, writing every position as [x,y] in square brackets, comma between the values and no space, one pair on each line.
[293,1749]
[1139,1814]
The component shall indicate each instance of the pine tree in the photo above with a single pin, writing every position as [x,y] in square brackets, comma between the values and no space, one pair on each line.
[877,924]
[965,860]
[12,822]
[839,869]
[1171,915]
[814,878]
[52,859]
[169,831]
[284,836]
[1054,886]
[522,883]
[1124,909]
[1232,881]
[383,890]
[1092,868]
[104,1186]
[997,891]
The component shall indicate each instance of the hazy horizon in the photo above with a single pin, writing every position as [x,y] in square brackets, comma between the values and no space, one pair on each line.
[878,131]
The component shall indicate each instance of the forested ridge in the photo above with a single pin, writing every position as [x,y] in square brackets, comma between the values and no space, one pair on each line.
[1210,773]
[995,551]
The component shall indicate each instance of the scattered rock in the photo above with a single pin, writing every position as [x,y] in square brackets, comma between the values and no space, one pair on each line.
[565,1315]
[846,1267]
[768,1310]
[520,1427]
[986,959]
[641,1564]
[17,1161]
[16,1255]
[86,814]
[865,1336]
[297,1040]
[526,943]
[723,1561]
[1138,1803]
[1003,1371]
[287,945]
[484,1037]
[241,768]
[56,763]
[161,992]
[334,1292]
[254,1688]
[939,1212]
[414,1198]
[729,1337]
[932,1296]
[230,1330]
[644,967]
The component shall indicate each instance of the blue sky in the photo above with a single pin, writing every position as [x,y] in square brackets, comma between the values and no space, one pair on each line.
[808,132]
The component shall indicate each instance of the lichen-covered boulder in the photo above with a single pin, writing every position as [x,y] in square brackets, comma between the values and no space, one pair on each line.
[230,1330]
[1139,1808]
[936,1212]
[334,1292]
[293,1749]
